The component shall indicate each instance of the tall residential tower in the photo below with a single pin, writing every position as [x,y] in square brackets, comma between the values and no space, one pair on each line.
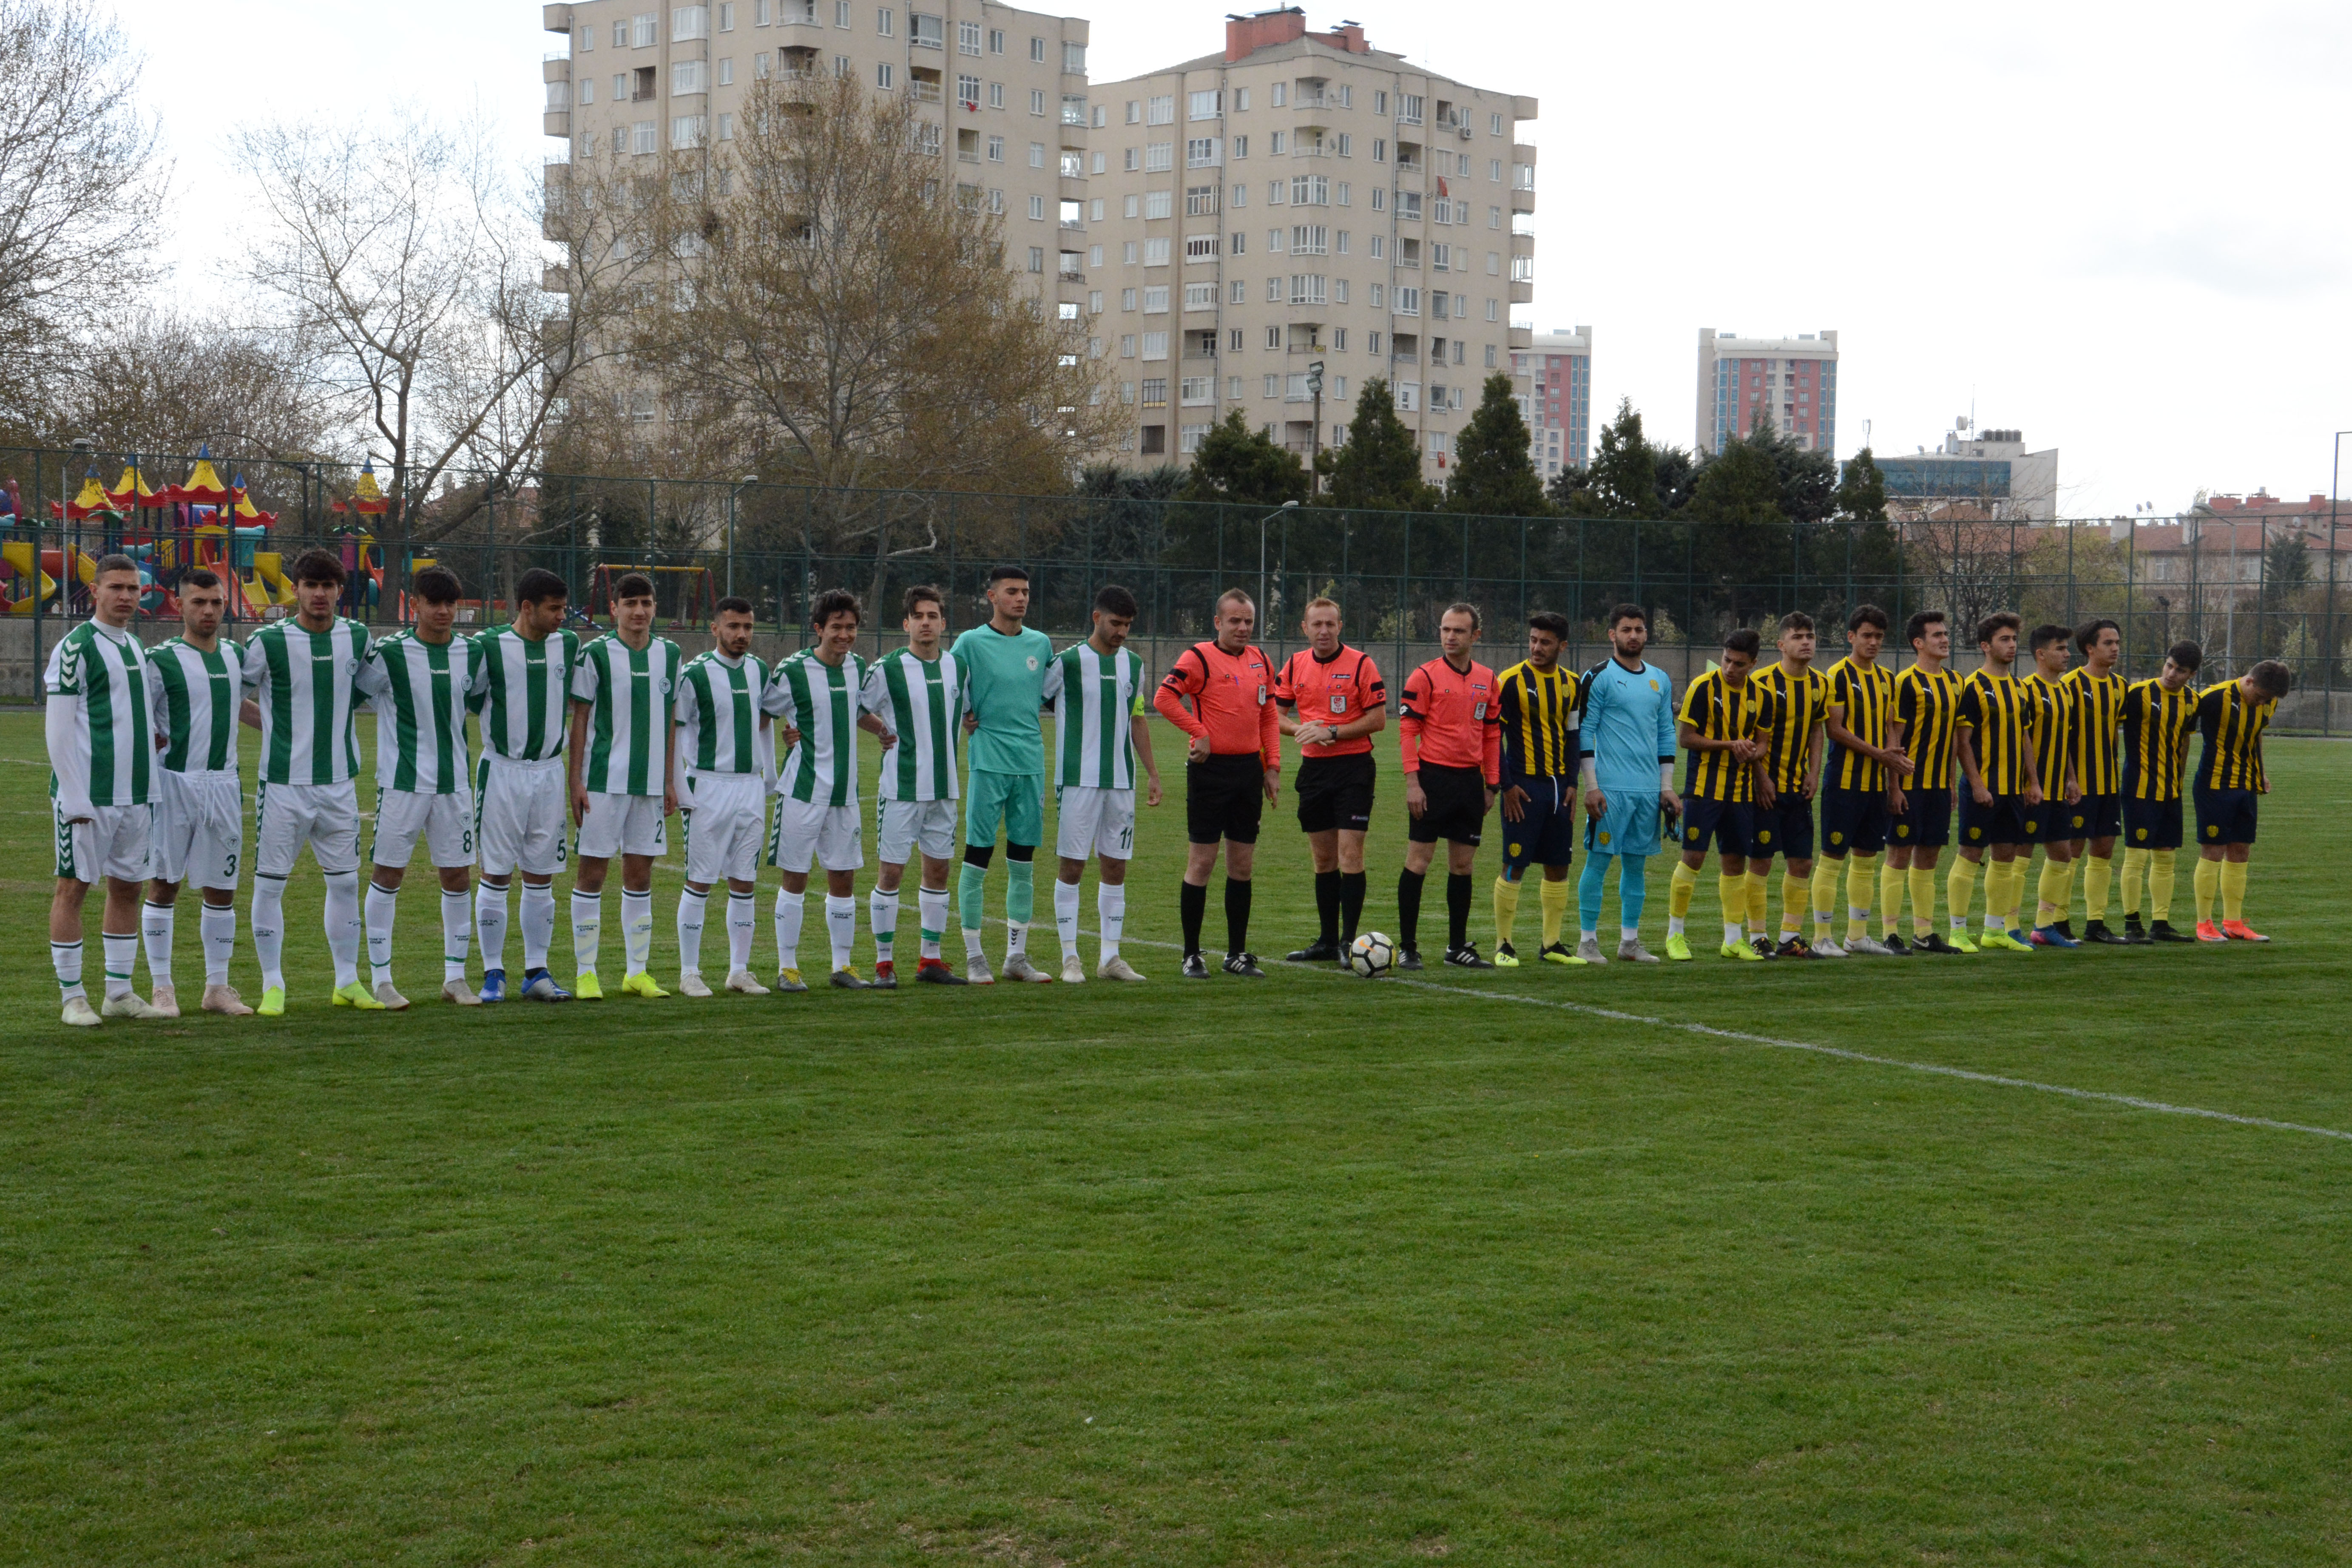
[1792,380]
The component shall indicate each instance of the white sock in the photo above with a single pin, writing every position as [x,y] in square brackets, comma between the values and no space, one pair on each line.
[1674,925]
[971,942]
[742,923]
[1734,931]
[790,907]
[1629,933]
[1066,916]
[692,907]
[931,918]
[1016,937]
[841,926]
[65,957]
[270,928]
[1593,935]
[456,934]
[122,962]
[882,914]
[637,929]
[1110,913]
[538,923]
[155,929]
[381,904]
[491,924]
[344,929]
[218,928]
[587,928]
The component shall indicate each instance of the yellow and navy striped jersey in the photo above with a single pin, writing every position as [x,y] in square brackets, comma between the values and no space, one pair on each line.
[2098,729]
[1798,700]
[1866,692]
[2053,733]
[1926,705]
[1998,712]
[1720,710]
[2233,726]
[1538,711]
[2156,727]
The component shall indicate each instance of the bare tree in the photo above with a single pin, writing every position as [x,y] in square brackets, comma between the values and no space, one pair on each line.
[166,385]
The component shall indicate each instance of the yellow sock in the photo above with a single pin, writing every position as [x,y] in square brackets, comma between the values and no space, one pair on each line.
[1826,873]
[2134,874]
[2055,891]
[1861,872]
[1961,891]
[1555,909]
[1796,895]
[2234,890]
[1922,900]
[2012,893]
[1506,908]
[2208,883]
[2159,884]
[1891,881]
[1758,901]
[2097,873]
[1733,893]
[1686,883]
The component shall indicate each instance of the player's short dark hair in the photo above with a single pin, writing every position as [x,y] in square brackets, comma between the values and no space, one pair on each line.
[1113,600]
[1916,627]
[1999,621]
[200,578]
[315,566]
[2272,678]
[2088,632]
[922,593]
[114,564]
[836,602]
[732,605]
[1464,608]
[1629,611]
[1550,621]
[1743,640]
[1230,594]
[999,574]
[538,585]
[2187,655]
[2046,634]
[1866,616]
[1796,621]
[437,586]
[633,585]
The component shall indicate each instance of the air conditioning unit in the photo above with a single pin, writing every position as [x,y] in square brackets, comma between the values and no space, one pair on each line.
[1465,131]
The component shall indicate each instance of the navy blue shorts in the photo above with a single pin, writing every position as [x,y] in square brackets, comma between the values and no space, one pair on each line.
[1926,820]
[1854,822]
[1545,834]
[2224,816]
[1730,824]
[2151,824]
[1784,827]
[2056,822]
[2003,822]
[2102,816]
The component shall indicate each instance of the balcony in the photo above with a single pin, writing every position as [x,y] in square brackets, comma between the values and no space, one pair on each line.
[1522,244]
[557,122]
[555,281]
[555,19]
[1522,337]
[1523,201]
[923,92]
[555,67]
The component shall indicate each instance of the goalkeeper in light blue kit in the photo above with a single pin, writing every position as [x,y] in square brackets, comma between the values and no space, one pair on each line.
[1626,722]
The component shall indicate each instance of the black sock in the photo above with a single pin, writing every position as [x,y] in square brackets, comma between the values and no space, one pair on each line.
[1457,910]
[1352,904]
[1192,902]
[1238,906]
[1408,909]
[1327,905]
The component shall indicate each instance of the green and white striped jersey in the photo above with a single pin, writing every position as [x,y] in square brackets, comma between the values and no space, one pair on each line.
[629,693]
[822,702]
[195,697]
[720,701]
[1093,698]
[418,691]
[100,674]
[307,686]
[525,690]
[923,701]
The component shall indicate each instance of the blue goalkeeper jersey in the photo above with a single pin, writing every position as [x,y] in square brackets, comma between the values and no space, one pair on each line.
[1626,725]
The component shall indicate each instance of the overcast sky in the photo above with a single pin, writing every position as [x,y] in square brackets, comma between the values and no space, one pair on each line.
[2122,230]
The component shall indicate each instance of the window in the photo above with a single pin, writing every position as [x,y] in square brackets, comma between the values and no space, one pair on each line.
[996,40]
[644,136]
[1241,195]
[1067,311]
[1074,58]
[1200,201]
[587,88]
[1273,335]
[1206,105]
[1037,257]
[1279,95]
[559,95]
[1309,239]
[1036,154]
[844,67]
[1240,246]
[1274,189]
[1311,190]
[687,78]
[1037,101]
[1159,204]
[1340,291]
[726,133]
[1523,268]
[1127,298]
[1238,294]
[1408,205]
[1276,143]
[1347,146]
[1095,215]
[1235,339]
[727,72]
[1273,297]
[726,16]
[968,91]
[1037,209]
[1095,162]
[1073,166]
[884,23]
[1155,392]
[1199,247]
[1408,397]
[1439,256]
[884,76]
[689,22]
[1160,111]
[1494,265]
[1155,346]
[1408,108]
[1200,296]
[644,29]
[1094,295]
[1155,254]
[1306,288]
[1437,444]
[1127,351]
[841,13]
[1241,100]
[1380,246]
[967,38]
[1038,50]
[587,41]
[1273,387]
[1200,152]
[1102,116]
[1339,345]
[1490,352]
[1494,217]
[1074,109]
[1437,311]
[1155,299]
[1372,340]
[1342,245]
[686,131]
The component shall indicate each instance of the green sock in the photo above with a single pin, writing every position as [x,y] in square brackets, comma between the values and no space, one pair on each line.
[970,886]
[1019,891]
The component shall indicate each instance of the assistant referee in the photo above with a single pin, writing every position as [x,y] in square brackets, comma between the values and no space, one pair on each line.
[1233,771]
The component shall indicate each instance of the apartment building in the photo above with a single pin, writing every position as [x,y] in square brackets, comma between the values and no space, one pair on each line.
[1001,93]
[1303,198]
[1558,404]
[1987,474]
[1792,379]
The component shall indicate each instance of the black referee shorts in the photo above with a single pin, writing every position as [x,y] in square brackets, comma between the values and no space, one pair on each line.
[1224,798]
[1335,792]
[1457,806]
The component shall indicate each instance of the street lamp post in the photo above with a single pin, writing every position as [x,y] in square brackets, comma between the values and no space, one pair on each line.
[748,481]
[2335,479]
[1269,517]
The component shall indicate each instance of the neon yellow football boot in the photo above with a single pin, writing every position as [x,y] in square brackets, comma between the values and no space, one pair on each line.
[1678,949]
[355,995]
[641,984]
[585,988]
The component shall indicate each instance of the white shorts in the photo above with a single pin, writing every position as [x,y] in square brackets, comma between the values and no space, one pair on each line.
[1091,822]
[113,842]
[831,836]
[446,823]
[518,816]
[728,815]
[903,826]
[288,817]
[622,825]
[199,828]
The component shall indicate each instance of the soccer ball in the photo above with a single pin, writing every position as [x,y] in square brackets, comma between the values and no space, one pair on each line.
[1372,955]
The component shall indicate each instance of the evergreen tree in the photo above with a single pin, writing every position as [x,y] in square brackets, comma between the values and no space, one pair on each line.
[1237,463]
[1622,479]
[1741,483]
[1494,469]
[1379,465]
[1861,491]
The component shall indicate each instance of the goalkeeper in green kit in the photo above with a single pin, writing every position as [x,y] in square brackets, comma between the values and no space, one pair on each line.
[1001,665]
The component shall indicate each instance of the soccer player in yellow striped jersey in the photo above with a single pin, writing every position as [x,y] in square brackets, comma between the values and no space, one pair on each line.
[2098,762]
[1996,751]
[1792,766]
[1853,787]
[2054,823]
[1537,698]
[1724,729]
[2227,784]
[2159,717]
[1926,711]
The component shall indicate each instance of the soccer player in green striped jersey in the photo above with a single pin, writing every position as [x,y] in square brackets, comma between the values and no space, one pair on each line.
[622,784]
[196,689]
[417,680]
[2098,758]
[917,694]
[1995,743]
[307,675]
[2055,754]
[101,760]
[524,686]
[818,694]
[723,749]
[1096,687]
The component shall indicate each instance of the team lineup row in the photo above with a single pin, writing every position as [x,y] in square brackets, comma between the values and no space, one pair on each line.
[613,737]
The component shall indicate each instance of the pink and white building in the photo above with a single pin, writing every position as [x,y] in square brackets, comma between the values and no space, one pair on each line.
[1794,380]
[1558,368]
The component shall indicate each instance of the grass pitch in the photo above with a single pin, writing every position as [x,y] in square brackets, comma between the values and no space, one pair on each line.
[1305,1271]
